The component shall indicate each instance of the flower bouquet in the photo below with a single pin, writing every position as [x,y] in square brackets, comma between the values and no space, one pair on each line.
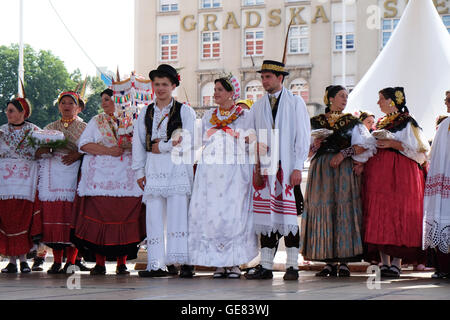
[48,139]
[383,134]
[321,134]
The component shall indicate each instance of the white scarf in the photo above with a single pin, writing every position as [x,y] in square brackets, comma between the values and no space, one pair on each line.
[108,176]
[18,179]
[274,205]
[57,182]
[436,220]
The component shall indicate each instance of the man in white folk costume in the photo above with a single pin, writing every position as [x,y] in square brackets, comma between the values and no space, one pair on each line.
[167,184]
[277,198]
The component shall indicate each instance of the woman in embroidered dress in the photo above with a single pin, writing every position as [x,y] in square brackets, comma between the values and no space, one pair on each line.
[220,214]
[20,222]
[393,187]
[436,226]
[58,182]
[109,218]
[332,221]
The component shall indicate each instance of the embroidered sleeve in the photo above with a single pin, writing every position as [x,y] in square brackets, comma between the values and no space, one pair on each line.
[139,150]
[302,136]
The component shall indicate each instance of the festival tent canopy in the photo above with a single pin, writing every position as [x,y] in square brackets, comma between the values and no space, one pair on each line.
[417,57]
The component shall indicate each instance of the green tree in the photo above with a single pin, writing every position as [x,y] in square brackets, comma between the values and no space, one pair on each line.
[45,78]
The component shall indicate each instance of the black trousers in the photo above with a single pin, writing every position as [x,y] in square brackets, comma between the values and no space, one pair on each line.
[290,241]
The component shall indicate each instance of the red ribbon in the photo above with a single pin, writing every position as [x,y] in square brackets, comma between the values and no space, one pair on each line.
[227,129]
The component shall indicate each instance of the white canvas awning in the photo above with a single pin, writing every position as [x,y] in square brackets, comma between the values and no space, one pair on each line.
[417,57]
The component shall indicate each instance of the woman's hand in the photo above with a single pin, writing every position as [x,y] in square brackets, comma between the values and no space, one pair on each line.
[71,157]
[141,182]
[386,144]
[177,141]
[41,151]
[337,160]
[116,151]
[358,167]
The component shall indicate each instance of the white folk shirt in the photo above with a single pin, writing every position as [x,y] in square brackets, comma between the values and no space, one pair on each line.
[164,177]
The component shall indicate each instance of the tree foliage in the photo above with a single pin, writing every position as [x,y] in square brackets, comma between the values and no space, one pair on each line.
[45,78]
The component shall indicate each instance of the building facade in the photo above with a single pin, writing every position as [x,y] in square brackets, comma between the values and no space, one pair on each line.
[207,38]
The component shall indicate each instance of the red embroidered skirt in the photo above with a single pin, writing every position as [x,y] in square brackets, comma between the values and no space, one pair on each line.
[56,221]
[393,192]
[110,226]
[20,221]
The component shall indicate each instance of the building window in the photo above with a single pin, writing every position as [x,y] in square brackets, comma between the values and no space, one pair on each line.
[208,95]
[299,39]
[208,4]
[349,82]
[389,26]
[254,43]
[210,45]
[168,5]
[254,90]
[300,87]
[253,2]
[446,20]
[349,36]
[169,47]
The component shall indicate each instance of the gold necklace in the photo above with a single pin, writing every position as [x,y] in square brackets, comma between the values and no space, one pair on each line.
[334,117]
[224,113]
[66,123]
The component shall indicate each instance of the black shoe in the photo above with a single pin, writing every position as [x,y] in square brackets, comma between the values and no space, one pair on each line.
[24,267]
[344,271]
[38,262]
[67,266]
[291,274]
[98,270]
[172,270]
[55,269]
[153,273]
[393,272]
[10,268]
[328,270]
[259,273]
[122,270]
[440,275]
[82,267]
[186,271]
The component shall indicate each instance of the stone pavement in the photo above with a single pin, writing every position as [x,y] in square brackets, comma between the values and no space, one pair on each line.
[41,286]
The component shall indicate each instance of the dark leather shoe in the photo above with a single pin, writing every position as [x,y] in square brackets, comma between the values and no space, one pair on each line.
[153,273]
[259,273]
[82,267]
[122,270]
[38,262]
[67,266]
[55,269]
[10,268]
[24,267]
[172,270]
[344,270]
[291,274]
[328,270]
[98,270]
[186,271]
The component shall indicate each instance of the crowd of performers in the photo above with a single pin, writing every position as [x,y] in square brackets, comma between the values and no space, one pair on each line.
[374,198]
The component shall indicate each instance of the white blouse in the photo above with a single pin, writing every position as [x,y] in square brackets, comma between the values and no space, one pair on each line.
[415,145]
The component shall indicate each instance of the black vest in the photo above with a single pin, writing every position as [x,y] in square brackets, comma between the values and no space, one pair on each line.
[174,122]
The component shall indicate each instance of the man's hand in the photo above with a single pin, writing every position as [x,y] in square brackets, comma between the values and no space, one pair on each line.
[155,146]
[296,178]
[177,141]
[71,157]
[142,182]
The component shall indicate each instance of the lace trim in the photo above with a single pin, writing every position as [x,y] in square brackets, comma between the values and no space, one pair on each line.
[181,258]
[437,235]
[281,228]
[166,191]
[177,235]
[153,241]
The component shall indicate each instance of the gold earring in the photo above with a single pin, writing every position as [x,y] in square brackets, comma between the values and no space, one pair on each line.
[392,104]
